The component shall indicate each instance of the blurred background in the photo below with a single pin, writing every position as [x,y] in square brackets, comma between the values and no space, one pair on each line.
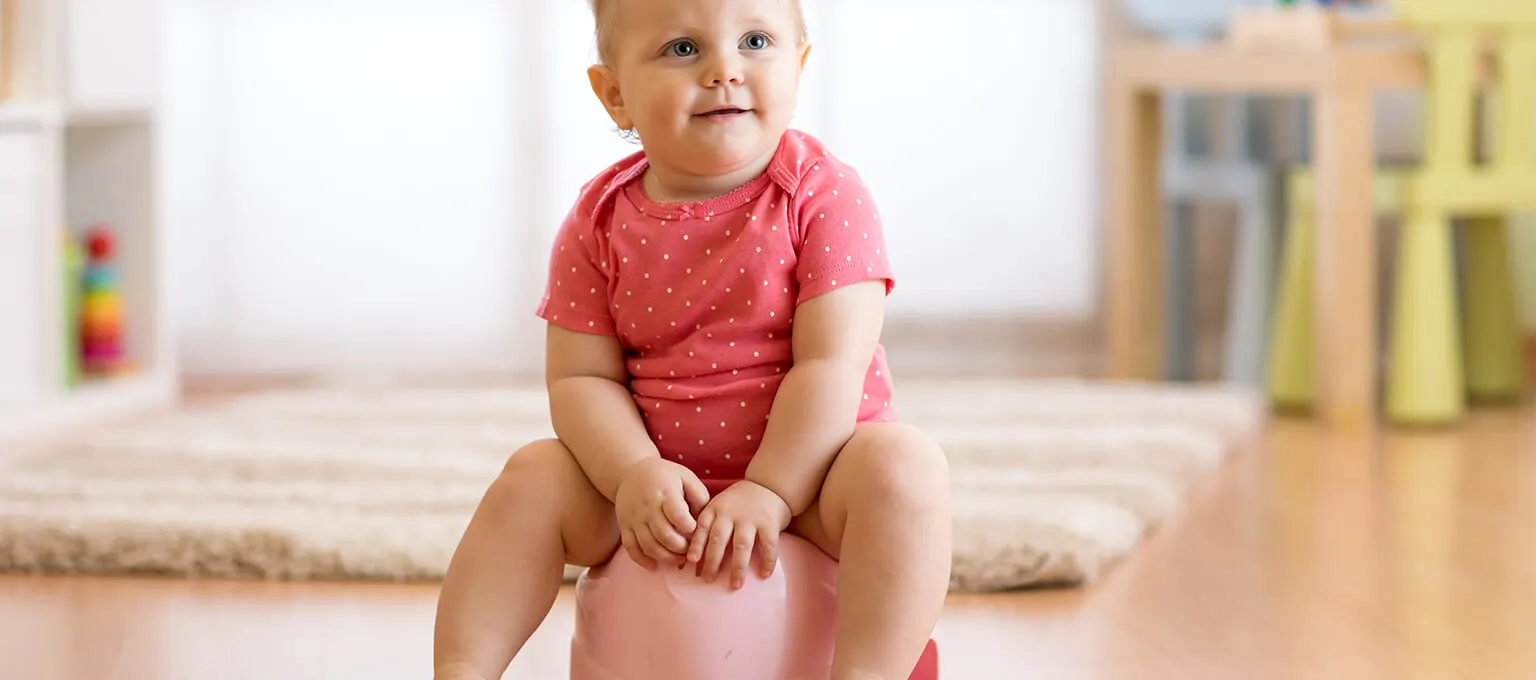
[374,185]
[340,187]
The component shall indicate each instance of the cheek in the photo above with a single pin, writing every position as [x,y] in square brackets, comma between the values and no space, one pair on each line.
[666,105]
[653,98]
[779,80]
[779,94]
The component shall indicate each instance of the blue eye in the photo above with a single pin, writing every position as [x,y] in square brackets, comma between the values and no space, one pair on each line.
[682,48]
[756,41]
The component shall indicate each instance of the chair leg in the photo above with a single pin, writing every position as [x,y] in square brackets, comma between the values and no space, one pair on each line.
[1425,378]
[1179,282]
[1522,234]
[1179,124]
[1494,362]
[1251,287]
[1291,363]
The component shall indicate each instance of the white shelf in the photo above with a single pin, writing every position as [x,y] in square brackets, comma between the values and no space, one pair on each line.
[90,403]
[49,114]
[29,114]
[79,136]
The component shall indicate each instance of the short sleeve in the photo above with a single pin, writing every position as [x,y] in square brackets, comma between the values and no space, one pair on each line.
[843,241]
[576,295]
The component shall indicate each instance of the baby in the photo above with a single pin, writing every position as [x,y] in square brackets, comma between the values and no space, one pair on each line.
[715,376]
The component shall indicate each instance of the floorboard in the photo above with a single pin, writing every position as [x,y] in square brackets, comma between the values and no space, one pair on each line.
[1398,555]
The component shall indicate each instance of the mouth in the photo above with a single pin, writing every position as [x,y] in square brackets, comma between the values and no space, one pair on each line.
[724,112]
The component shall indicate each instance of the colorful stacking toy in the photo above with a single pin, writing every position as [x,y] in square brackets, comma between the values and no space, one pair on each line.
[102,338]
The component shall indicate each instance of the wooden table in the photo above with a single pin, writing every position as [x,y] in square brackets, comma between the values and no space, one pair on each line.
[1342,82]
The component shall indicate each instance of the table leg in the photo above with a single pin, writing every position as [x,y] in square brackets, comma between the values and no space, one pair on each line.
[1346,283]
[1134,240]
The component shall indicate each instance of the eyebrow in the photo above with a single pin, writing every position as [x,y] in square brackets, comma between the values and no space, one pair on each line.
[660,35]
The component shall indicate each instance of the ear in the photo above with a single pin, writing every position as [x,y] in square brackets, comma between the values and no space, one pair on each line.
[805,53]
[605,84]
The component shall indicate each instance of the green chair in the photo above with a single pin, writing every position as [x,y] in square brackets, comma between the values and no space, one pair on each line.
[1451,338]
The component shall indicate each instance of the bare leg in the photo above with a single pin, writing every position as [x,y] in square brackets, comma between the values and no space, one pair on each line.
[541,513]
[884,513]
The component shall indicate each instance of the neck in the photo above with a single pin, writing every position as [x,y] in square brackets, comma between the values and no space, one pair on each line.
[667,184]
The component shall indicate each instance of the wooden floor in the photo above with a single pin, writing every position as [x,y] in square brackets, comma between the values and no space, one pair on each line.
[1395,555]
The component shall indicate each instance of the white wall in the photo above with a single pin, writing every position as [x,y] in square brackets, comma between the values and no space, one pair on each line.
[374,183]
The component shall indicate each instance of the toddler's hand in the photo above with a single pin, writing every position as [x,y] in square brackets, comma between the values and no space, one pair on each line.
[655,503]
[753,515]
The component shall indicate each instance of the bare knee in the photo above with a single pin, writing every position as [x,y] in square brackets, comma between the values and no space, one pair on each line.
[535,473]
[542,483]
[897,468]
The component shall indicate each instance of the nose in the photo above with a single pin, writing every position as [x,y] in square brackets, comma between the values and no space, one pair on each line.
[723,70]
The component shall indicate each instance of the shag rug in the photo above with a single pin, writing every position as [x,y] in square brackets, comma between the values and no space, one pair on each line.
[1053,480]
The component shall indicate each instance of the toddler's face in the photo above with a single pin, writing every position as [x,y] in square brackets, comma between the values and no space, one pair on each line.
[710,85]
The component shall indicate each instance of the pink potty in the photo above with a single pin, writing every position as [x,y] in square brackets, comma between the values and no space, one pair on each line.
[635,624]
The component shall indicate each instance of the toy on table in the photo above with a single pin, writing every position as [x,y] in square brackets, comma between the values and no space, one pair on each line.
[103,349]
[1308,25]
[1292,3]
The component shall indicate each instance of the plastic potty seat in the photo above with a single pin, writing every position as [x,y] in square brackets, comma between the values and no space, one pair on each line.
[636,624]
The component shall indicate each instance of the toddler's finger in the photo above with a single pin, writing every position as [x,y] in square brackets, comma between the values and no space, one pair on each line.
[770,549]
[741,554]
[700,536]
[677,513]
[719,537]
[632,546]
[651,547]
[694,492]
[667,535]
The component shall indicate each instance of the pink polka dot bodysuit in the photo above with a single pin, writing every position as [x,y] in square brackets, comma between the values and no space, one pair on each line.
[702,295]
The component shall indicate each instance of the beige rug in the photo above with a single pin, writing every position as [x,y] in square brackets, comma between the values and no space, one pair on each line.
[1054,480]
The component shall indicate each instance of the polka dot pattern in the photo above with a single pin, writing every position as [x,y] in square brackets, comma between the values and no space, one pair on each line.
[702,295]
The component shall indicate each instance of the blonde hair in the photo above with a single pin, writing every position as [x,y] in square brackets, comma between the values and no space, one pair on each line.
[602,15]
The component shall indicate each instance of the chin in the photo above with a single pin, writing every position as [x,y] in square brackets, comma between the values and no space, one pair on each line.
[732,153]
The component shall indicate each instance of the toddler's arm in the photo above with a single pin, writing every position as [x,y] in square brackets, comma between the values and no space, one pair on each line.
[593,413]
[817,405]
